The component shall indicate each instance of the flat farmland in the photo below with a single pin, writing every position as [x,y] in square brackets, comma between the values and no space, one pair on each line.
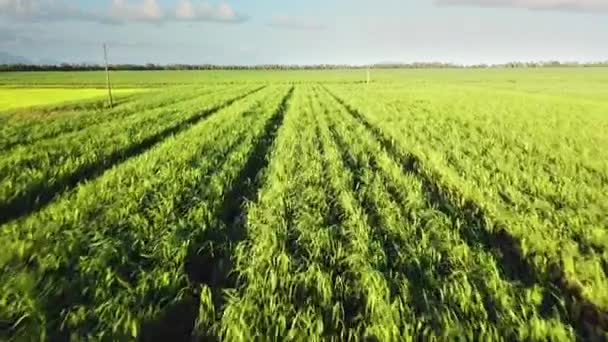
[21,97]
[240,206]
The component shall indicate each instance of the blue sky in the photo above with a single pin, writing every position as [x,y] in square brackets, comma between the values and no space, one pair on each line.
[306,32]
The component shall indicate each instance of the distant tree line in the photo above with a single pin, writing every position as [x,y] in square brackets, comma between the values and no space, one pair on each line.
[420,65]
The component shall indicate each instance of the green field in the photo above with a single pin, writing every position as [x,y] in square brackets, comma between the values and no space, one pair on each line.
[308,205]
[11,98]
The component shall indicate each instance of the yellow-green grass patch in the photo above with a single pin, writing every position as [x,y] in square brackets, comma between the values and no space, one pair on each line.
[11,98]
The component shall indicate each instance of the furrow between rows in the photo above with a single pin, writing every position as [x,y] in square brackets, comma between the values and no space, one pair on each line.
[49,177]
[590,320]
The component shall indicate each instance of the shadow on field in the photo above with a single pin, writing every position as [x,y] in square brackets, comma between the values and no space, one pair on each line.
[41,194]
[589,320]
[54,303]
[99,107]
[476,230]
[209,261]
[175,323]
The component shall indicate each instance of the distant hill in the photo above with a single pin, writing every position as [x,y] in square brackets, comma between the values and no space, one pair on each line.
[7,58]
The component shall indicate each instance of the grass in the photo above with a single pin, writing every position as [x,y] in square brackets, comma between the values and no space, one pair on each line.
[12,98]
[428,205]
[93,148]
[580,82]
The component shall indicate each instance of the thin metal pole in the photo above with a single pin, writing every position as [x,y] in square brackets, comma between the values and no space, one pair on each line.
[105,57]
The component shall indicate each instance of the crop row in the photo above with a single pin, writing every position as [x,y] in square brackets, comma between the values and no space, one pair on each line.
[289,261]
[307,211]
[33,174]
[43,123]
[442,277]
[557,248]
[343,243]
[107,260]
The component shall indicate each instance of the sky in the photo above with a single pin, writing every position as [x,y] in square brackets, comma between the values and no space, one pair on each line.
[248,32]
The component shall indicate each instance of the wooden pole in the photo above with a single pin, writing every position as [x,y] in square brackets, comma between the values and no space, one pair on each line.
[105,57]
[367,74]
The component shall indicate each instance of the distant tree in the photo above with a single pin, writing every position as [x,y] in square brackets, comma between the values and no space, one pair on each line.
[415,65]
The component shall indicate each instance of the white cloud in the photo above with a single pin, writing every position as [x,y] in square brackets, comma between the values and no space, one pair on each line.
[296,23]
[120,11]
[147,10]
[20,8]
[186,10]
[563,5]
[40,10]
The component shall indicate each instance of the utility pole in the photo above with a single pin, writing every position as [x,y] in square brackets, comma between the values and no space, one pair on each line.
[367,74]
[105,57]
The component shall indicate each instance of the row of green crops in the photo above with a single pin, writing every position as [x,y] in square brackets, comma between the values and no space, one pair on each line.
[532,174]
[343,242]
[444,284]
[402,211]
[101,261]
[19,128]
[284,292]
[36,172]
